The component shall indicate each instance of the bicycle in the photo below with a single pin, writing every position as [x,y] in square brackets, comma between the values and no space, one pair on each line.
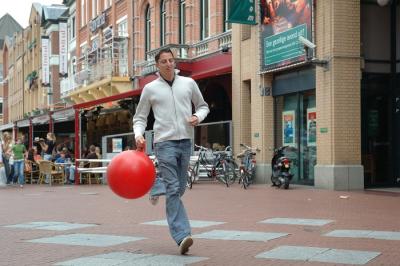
[247,169]
[218,165]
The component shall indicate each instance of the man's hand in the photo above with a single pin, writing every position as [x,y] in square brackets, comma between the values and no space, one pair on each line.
[140,143]
[193,120]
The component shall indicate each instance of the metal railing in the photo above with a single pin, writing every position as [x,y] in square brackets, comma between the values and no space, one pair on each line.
[185,52]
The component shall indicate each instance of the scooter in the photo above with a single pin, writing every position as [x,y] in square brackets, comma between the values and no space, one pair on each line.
[280,165]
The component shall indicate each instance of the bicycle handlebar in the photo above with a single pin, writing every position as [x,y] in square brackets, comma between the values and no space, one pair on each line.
[250,148]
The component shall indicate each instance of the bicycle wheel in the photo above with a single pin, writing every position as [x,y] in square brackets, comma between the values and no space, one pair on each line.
[245,180]
[220,173]
[229,173]
[190,178]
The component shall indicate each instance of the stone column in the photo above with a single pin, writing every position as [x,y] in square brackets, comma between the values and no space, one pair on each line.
[338,96]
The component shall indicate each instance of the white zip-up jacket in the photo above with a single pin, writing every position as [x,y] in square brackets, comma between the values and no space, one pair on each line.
[172,107]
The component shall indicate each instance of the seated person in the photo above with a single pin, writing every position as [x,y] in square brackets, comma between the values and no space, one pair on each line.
[67,168]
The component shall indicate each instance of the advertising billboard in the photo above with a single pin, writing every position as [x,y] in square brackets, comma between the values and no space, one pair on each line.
[282,22]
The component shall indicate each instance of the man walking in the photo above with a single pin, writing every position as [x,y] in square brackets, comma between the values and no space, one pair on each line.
[171,97]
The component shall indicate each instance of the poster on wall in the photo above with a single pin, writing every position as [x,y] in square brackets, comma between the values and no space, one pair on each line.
[45,61]
[289,128]
[63,48]
[311,127]
[282,22]
[117,145]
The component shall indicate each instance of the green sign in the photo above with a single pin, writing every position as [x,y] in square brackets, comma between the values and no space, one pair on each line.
[323,130]
[242,12]
[284,46]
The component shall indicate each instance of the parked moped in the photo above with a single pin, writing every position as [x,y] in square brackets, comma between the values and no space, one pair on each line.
[280,165]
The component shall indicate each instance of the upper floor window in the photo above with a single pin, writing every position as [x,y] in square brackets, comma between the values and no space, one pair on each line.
[182,22]
[227,26]
[83,21]
[107,3]
[163,15]
[94,8]
[72,29]
[204,19]
[122,27]
[1,72]
[147,29]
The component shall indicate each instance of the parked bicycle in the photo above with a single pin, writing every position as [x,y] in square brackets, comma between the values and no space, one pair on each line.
[247,169]
[218,165]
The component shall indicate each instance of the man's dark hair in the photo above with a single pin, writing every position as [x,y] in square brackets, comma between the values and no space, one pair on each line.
[165,50]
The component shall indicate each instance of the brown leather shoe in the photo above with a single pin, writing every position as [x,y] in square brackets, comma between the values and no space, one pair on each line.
[185,244]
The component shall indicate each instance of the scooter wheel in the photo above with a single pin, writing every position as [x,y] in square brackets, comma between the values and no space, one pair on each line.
[286,184]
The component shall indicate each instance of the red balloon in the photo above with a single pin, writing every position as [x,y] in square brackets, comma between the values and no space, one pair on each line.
[131,174]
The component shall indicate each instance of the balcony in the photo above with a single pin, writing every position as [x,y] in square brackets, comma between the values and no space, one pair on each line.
[67,85]
[102,72]
[183,52]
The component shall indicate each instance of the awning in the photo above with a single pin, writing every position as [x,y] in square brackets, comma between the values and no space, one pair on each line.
[64,115]
[43,119]
[6,126]
[23,123]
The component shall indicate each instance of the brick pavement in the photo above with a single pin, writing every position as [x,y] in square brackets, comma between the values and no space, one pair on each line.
[240,209]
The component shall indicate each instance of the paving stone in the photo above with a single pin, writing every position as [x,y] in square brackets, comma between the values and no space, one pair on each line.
[193,223]
[297,221]
[93,240]
[48,225]
[384,235]
[128,259]
[292,253]
[239,235]
[317,254]
[346,256]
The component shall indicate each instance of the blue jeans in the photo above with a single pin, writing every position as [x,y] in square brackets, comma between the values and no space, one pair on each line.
[173,160]
[19,171]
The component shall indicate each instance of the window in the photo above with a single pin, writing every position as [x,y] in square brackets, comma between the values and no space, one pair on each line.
[182,22]
[72,30]
[163,14]
[83,22]
[107,4]
[1,72]
[94,8]
[147,29]
[227,26]
[123,28]
[205,19]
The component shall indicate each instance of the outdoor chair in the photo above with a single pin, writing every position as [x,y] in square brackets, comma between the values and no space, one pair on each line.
[31,172]
[87,177]
[55,172]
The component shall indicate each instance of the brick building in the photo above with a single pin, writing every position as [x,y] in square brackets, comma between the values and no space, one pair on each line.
[116,42]
[336,104]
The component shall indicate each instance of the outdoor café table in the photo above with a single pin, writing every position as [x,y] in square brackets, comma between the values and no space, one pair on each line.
[62,167]
[93,170]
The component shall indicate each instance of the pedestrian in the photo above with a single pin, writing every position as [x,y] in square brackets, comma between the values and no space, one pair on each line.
[6,144]
[19,150]
[48,147]
[170,97]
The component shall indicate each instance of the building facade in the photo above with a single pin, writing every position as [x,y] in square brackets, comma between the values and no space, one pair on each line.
[320,97]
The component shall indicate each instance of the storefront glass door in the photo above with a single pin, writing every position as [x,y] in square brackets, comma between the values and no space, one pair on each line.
[296,119]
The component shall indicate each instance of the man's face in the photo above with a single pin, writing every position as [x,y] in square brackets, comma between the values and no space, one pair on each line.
[166,64]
